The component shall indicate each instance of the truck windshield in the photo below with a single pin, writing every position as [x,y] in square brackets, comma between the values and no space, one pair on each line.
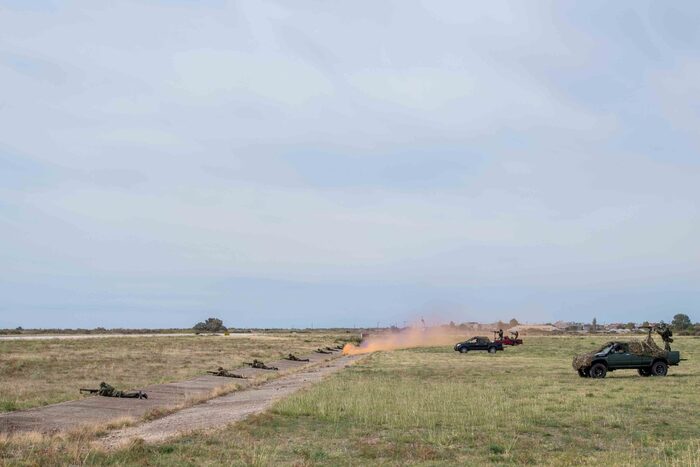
[605,349]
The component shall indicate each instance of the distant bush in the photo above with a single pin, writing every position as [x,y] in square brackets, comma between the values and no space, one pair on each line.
[692,330]
[210,325]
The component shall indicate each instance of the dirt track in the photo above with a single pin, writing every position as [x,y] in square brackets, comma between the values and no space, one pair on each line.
[220,411]
[95,410]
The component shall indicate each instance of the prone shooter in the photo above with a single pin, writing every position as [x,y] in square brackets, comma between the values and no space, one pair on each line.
[294,358]
[225,373]
[105,390]
[260,365]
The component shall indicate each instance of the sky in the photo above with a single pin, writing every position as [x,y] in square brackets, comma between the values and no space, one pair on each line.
[308,163]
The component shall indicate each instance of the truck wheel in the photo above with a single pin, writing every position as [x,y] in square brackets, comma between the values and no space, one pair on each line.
[644,372]
[463,350]
[659,369]
[492,349]
[583,373]
[598,371]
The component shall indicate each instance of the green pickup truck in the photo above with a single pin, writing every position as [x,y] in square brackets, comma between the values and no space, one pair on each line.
[625,356]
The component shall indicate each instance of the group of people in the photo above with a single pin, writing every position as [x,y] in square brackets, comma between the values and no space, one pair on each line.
[107,390]
[664,331]
[499,333]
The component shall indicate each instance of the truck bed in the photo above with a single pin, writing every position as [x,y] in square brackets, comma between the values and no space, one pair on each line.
[673,357]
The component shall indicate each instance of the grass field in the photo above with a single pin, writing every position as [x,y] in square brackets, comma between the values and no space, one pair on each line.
[40,372]
[433,406]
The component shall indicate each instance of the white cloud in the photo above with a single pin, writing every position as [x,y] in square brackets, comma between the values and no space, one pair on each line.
[426,145]
[217,74]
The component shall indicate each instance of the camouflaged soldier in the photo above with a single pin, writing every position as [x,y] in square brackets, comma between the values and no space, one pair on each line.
[322,351]
[665,332]
[294,358]
[106,390]
[225,373]
[260,365]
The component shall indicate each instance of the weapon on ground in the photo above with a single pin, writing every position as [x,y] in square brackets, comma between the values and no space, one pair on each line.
[88,391]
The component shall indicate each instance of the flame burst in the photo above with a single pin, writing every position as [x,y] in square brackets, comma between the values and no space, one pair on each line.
[406,338]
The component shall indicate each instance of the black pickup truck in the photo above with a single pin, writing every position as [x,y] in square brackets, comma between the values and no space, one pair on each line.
[478,343]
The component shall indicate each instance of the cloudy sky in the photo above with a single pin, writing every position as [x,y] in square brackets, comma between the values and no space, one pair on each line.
[347,163]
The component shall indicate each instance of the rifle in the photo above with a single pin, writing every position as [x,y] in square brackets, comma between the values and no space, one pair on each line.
[89,391]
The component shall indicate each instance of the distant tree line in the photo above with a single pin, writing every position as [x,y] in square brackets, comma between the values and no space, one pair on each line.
[99,330]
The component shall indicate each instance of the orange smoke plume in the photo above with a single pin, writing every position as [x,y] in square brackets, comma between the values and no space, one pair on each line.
[406,338]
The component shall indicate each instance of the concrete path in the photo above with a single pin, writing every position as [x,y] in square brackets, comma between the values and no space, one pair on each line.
[221,411]
[67,416]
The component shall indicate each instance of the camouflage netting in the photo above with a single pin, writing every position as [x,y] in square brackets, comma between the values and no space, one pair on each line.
[646,347]
[583,360]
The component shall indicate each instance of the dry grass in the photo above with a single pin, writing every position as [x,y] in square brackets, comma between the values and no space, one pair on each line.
[432,406]
[40,372]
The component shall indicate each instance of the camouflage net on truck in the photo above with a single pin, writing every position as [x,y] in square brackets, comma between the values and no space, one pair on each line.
[647,348]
